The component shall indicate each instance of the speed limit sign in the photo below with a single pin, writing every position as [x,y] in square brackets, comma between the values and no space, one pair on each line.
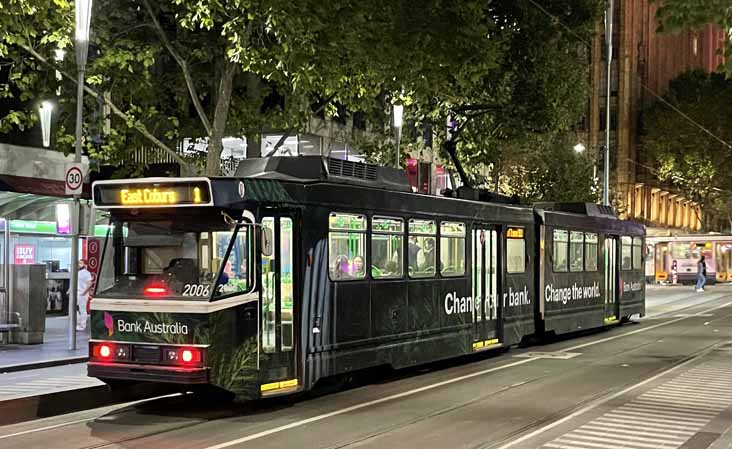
[74,179]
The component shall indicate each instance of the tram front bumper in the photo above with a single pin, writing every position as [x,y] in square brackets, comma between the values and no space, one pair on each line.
[147,373]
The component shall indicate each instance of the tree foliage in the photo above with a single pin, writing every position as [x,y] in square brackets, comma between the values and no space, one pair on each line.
[174,69]
[693,161]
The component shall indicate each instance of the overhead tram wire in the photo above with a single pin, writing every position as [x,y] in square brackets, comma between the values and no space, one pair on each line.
[582,40]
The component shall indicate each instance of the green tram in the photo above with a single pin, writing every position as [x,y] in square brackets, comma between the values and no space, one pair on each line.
[300,269]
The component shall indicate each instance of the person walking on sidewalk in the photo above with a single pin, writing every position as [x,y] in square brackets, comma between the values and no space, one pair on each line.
[701,274]
[83,287]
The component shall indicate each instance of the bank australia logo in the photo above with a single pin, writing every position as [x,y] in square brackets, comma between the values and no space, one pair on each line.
[109,323]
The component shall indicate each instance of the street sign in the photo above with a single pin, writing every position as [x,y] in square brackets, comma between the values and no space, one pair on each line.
[74,179]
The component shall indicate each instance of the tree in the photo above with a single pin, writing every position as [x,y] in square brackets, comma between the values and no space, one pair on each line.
[676,15]
[173,68]
[536,86]
[683,154]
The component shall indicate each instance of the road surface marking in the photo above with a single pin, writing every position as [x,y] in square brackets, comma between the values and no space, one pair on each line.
[342,411]
[632,430]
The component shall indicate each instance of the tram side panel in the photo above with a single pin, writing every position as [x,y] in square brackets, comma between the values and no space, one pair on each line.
[573,290]
[631,282]
[519,294]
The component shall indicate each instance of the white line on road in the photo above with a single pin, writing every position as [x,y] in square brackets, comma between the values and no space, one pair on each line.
[80,421]
[574,348]
[342,411]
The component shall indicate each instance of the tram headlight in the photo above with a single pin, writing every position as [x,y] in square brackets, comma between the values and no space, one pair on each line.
[183,356]
[109,351]
[190,356]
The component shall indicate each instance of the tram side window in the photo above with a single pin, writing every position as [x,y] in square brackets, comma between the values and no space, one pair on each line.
[452,249]
[347,246]
[515,250]
[387,247]
[421,248]
[560,248]
[637,253]
[626,253]
[590,252]
[576,243]
[234,275]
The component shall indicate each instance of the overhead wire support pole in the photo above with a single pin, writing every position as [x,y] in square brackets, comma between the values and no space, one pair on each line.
[83,10]
[608,82]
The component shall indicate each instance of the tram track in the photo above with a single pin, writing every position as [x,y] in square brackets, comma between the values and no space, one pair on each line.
[502,441]
[222,412]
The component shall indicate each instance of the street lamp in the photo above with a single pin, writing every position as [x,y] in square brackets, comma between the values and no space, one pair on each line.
[579,148]
[83,19]
[44,113]
[398,115]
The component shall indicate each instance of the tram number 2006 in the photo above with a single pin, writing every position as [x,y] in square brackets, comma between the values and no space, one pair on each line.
[196,290]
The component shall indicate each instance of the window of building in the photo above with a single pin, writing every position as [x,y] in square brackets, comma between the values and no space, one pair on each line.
[387,247]
[626,253]
[515,250]
[560,245]
[347,246]
[452,248]
[637,253]
[590,252]
[421,248]
[576,243]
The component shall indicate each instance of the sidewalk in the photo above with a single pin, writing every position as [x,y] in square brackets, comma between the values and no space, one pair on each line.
[36,382]
[54,350]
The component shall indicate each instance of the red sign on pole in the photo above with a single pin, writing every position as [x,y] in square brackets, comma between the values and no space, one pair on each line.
[93,253]
[24,254]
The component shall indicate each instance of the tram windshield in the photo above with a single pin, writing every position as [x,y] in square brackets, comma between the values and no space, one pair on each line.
[175,259]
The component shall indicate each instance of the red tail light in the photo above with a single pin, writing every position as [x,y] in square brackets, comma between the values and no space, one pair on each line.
[156,291]
[190,356]
[102,351]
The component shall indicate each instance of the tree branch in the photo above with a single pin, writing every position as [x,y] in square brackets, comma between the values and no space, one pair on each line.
[183,66]
[140,127]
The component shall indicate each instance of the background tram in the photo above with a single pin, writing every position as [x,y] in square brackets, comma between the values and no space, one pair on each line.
[299,269]
[684,252]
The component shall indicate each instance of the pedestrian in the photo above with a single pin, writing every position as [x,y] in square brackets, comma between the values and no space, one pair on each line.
[83,287]
[701,274]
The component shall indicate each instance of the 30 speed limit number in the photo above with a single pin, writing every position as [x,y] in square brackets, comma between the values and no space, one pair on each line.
[74,179]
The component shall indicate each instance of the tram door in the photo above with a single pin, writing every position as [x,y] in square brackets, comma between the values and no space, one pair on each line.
[611,278]
[278,332]
[484,285]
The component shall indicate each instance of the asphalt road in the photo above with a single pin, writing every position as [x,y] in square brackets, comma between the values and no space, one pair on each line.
[663,382]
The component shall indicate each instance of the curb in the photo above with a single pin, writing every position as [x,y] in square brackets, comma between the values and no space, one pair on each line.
[14,411]
[43,364]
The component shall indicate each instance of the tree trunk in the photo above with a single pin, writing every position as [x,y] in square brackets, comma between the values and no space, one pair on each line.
[254,136]
[254,145]
[218,129]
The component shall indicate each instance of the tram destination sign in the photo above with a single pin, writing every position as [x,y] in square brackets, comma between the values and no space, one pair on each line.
[135,194]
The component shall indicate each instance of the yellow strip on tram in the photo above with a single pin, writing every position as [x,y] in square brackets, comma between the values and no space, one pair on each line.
[485,344]
[278,385]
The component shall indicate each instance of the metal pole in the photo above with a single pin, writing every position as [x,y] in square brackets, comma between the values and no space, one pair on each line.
[6,269]
[75,218]
[398,139]
[609,42]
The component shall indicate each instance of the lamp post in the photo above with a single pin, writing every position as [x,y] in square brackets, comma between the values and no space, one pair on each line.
[44,113]
[83,19]
[398,115]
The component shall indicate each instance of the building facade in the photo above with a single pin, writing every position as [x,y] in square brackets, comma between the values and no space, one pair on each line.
[644,62]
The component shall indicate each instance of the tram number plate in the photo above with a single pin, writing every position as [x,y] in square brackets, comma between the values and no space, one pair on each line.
[196,290]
